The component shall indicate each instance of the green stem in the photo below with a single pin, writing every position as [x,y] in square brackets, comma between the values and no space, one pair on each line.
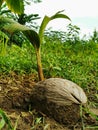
[39,65]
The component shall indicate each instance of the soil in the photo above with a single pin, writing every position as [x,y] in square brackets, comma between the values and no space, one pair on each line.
[15,101]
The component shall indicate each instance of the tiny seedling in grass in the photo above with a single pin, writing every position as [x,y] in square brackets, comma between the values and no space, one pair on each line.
[38,122]
[5,121]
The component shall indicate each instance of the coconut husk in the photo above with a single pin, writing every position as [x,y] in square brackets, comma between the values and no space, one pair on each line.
[60,99]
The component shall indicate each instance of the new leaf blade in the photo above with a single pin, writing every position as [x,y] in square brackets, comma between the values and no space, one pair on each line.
[60,16]
[42,27]
[47,19]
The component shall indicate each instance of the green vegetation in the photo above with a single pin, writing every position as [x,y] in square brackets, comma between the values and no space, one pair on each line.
[75,61]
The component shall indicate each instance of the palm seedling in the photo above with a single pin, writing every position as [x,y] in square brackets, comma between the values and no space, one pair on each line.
[10,26]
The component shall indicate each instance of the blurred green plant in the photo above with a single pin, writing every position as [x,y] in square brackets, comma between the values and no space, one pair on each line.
[5,121]
[94,36]
[72,35]
[16,6]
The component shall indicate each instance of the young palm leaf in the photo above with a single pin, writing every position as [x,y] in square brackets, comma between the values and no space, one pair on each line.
[47,19]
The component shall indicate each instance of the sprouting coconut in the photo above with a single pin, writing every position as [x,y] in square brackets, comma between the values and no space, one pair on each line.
[59,99]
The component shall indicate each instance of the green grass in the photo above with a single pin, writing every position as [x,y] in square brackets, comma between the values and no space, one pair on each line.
[77,62]
[19,60]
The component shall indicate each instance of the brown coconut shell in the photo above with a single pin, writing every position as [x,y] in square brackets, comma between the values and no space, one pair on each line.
[59,99]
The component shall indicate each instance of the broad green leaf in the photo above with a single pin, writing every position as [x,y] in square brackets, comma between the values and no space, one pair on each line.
[12,27]
[16,6]
[15,27]
[47,19]
[5,21]
[1,2]
[33,37]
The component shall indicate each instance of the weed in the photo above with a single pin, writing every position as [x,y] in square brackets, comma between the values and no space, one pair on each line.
[38,122]
[5,121]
